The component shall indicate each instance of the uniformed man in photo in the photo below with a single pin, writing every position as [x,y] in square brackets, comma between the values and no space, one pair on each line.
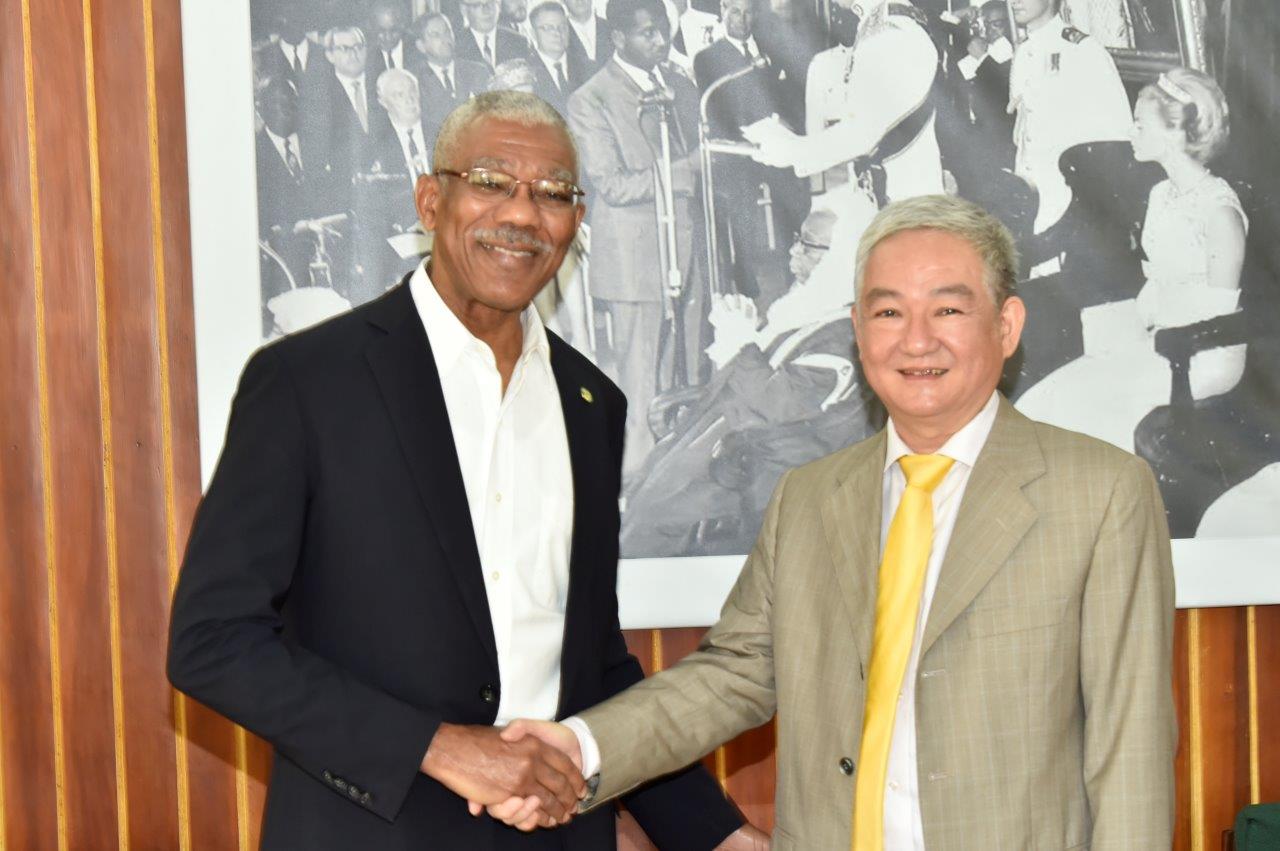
[1065,90]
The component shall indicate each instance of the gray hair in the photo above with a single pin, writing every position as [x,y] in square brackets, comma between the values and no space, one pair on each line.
[516,107]
[983,231]
[385,78]
[328,37]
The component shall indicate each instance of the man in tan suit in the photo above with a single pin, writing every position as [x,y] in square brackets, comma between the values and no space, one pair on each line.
[1031,706]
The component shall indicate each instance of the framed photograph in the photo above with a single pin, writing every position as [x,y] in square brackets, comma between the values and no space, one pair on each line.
[302,159]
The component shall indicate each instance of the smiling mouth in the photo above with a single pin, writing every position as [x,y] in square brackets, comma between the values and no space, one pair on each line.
[930,372]
[509,251]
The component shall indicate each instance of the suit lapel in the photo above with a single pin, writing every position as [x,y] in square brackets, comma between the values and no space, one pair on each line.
[405,371]
[589,460]
[851,524]
[994,516]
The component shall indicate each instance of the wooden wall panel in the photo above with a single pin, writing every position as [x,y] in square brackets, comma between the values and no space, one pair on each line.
[99,478]
[1265,709]
[27,783]
[82,668]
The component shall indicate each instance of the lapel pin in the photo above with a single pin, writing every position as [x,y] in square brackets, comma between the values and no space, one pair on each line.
[586,395]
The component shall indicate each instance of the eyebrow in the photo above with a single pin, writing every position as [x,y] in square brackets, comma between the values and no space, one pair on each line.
[963,290]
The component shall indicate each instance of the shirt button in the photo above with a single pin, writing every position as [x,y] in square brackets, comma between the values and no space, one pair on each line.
[495,576]
[846,766]
[498,497]
[893,784]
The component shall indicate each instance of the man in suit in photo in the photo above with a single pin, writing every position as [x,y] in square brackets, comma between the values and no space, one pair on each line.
[964,623]
[757,267]
[444,81]
[589,33]
[411,535]
[337,116]
[483,40]
[290,52]
[392,46]
[559,71]
[294,189]
[615,118]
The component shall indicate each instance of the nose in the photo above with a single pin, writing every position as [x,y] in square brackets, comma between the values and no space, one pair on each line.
[518,209]
[919,338]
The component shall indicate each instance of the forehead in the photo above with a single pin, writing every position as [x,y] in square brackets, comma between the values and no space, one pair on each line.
[525,151]
[913,262]
[436,27]
[346,39]
[737,5]
[549,14]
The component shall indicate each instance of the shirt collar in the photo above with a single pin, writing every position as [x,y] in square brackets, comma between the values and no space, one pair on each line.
[348,82]
[440,69]
[552,64]
[738,43]
[1052,29]
[450,338]
[641,78]
[964,446]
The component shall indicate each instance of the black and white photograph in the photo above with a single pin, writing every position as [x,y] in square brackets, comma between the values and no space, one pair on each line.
[731,153]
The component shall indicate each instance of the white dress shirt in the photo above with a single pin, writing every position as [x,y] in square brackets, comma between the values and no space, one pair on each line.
[283,144]
[416,165]
[358,96]
[587,35]
[555,67]
[299,52]
[440,71]
[486,41]
[514,453]
[903,825]
[641,77]
[394,58]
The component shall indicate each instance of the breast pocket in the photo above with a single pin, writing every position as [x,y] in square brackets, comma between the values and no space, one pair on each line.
[1019,617]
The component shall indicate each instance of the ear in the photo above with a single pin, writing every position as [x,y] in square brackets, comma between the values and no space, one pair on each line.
[426,195]
[1013,316]
[618,39]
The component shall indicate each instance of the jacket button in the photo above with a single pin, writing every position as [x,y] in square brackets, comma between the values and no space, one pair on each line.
[846,766]
[364,799]
[328,778]
[488,694]
[341,784]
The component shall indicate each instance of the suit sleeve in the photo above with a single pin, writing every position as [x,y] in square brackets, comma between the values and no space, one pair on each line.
[1126,652]
[725,687]
[227,648]
[618,185]
[685,811]
[892,75]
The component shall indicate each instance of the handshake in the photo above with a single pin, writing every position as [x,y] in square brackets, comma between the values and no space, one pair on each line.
[528,774]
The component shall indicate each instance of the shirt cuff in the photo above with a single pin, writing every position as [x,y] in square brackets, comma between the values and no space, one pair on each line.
[586,744]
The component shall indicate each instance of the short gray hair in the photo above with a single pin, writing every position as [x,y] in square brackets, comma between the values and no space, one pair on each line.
[983,231]
[356,31]
[516,107]
[385,78]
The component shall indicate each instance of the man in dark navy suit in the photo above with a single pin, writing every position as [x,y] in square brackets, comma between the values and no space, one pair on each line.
[412,537]
[482,40]
[444,81]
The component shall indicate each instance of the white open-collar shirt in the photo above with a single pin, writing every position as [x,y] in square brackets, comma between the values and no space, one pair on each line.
[514,454]
[903,824]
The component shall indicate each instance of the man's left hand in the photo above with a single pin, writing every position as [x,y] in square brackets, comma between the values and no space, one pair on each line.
[746,838]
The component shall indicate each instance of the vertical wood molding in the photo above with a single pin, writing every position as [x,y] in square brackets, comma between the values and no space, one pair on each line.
[104,417]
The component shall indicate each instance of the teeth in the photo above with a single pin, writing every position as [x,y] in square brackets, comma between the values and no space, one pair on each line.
[511,252]
[924,371]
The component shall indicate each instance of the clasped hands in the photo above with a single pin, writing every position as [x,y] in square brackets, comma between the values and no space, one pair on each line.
[527,774]
[524,780]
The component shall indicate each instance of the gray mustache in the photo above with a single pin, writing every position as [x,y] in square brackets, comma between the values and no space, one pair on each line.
[512,236]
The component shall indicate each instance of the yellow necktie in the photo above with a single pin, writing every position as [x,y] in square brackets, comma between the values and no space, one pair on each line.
[902,569]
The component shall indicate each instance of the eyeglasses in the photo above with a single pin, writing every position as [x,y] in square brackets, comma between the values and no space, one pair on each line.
[547,193]
[812,246]
[348,48]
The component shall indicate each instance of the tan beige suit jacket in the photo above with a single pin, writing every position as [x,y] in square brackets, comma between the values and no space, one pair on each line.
[1044,707]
